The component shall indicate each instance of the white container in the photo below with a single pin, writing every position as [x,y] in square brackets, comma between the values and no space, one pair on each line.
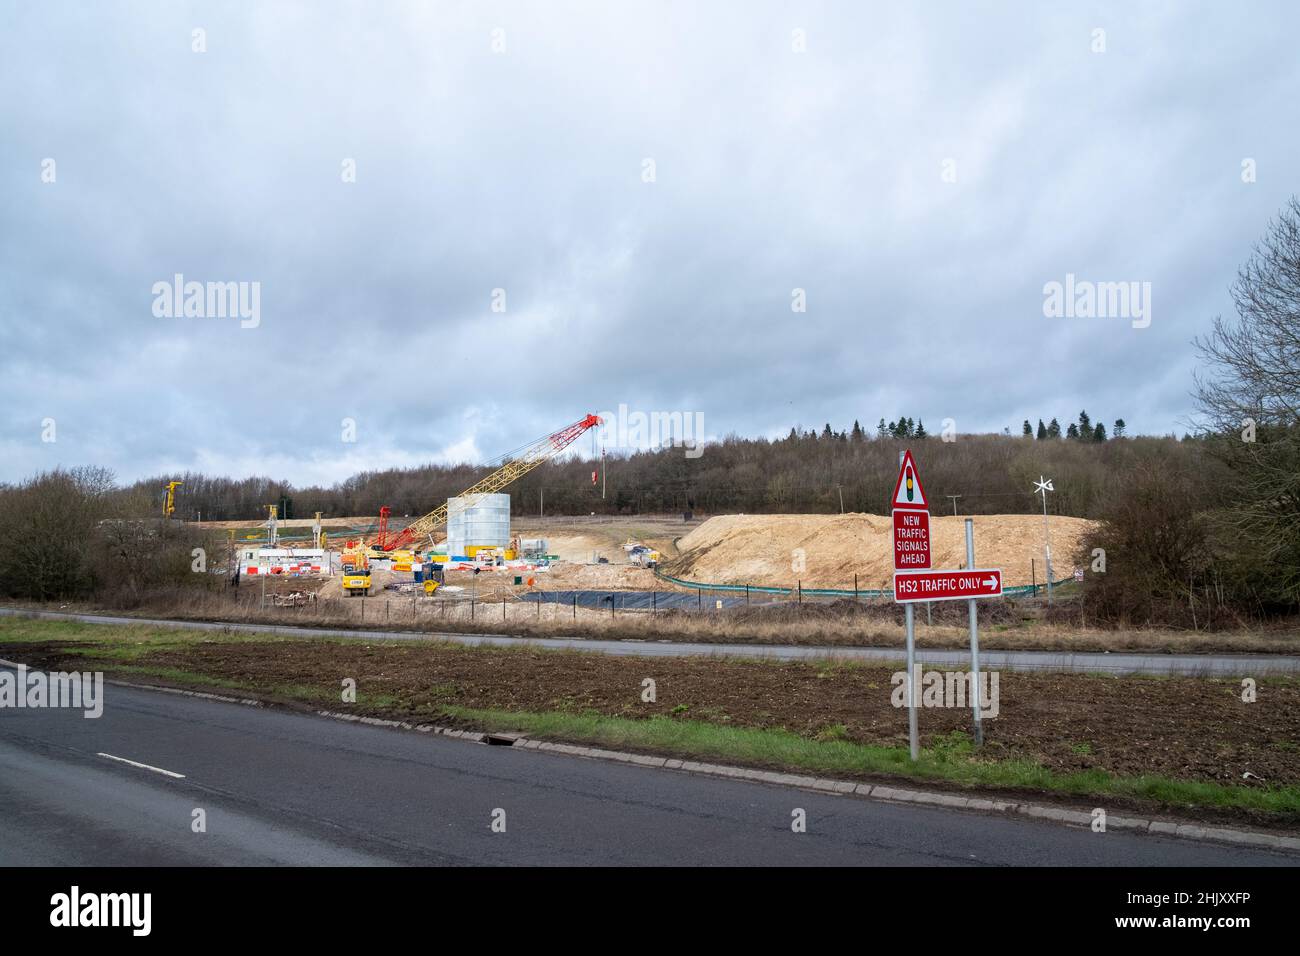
[485,524]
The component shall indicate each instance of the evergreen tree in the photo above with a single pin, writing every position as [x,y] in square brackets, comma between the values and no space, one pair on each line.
[920,429]
[1119,428]
[826,432]
[1085,427]
[1053,429]
[881,430]
[1042,431]
[1099,433]
[793,436]
[1072,431]
[858,433]
[1027,429]
[910,431]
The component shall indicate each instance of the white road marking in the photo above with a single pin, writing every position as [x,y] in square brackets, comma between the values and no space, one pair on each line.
[144,766]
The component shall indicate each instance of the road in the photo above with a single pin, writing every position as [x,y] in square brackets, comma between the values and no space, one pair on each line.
[288,788]
[1195,665]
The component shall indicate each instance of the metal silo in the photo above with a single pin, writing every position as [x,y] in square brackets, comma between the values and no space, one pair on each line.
[484,525]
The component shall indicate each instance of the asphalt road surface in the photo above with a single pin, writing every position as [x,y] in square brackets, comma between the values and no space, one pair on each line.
[288,788]
[1195,665]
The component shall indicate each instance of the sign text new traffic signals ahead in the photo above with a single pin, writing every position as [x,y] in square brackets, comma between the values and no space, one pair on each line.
[947,585]
[911,540]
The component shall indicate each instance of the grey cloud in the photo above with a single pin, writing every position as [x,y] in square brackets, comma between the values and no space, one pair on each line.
[475,171]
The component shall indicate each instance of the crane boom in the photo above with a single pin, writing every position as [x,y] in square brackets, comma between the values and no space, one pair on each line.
[514,468]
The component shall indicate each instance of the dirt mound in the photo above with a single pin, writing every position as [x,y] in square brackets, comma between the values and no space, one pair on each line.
[765,549]
[618,577]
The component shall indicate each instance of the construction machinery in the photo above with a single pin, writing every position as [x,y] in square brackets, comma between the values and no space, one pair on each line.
[356,573]
[169,505]
[431,576]
[357,581]
[518,464]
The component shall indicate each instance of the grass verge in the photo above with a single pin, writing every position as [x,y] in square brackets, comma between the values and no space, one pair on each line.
[952,761]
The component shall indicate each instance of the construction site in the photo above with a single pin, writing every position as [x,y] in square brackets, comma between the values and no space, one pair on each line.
[469,551]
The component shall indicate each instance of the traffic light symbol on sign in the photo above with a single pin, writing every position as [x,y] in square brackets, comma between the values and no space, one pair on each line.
[909,493]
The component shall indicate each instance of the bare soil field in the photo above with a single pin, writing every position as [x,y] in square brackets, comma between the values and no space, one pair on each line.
[764,549]
[583,539]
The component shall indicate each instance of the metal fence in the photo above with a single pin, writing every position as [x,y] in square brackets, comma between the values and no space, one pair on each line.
[798,591]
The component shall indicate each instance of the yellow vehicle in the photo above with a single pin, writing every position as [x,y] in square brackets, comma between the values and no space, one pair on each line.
[430,587]
[169,506]
[357,581]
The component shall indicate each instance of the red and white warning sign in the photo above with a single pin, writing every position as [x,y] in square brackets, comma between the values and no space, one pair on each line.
[947,585]
[911,519]
[908,493]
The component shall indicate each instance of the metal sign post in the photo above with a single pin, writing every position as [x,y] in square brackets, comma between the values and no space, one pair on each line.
[913,736]
[974,639]
[911,519]
[915,580]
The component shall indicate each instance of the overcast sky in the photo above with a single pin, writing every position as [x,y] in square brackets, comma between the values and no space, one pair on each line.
[921,170]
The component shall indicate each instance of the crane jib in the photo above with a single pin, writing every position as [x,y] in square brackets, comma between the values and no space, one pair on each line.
[509,472]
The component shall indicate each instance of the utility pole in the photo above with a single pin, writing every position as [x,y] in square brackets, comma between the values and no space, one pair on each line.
[954,503]
[604,470]
[1043,486]
[841,491]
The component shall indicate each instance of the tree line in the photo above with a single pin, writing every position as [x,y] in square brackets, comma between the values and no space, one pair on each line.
[1081,430]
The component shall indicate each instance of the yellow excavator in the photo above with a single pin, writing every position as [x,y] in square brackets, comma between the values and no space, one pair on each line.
[356,573]
[169,506]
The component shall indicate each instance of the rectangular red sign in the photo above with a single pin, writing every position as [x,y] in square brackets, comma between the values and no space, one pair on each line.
[946,585]
[911,540]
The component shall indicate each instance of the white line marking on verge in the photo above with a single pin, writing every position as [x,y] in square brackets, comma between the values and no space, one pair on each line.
[143,766]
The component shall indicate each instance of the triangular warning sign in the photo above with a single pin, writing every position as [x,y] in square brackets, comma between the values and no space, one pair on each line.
[908,492]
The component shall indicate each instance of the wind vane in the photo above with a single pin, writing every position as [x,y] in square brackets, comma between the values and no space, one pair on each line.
[1044,485]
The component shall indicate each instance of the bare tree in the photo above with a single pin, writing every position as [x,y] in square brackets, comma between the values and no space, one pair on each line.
[1253,359]
[1249,396]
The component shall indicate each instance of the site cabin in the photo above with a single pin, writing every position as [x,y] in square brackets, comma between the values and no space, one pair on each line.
[286,561]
